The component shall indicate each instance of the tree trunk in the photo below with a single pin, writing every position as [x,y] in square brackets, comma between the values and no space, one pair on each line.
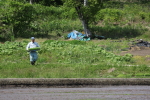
[85,2]
[85,27]
[83,19]
[30,1]
[85,22]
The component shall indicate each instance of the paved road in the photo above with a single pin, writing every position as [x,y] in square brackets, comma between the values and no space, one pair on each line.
[80,93]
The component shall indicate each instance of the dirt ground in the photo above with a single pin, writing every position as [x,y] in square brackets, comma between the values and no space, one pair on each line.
[137,51]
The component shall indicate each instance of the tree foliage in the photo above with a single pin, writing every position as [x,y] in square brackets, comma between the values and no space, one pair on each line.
[111,18]
[43,2]
[85,11]
[16,18]
[93,6]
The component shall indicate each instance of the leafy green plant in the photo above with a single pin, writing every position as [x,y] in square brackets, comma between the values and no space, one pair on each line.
[66,59]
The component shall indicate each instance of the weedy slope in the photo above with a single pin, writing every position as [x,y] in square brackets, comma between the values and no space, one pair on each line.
[69,59]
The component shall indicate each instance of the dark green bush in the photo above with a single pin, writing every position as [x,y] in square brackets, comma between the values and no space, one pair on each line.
[18,17]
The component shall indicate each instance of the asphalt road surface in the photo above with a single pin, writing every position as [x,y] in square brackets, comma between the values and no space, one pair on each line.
[77,93]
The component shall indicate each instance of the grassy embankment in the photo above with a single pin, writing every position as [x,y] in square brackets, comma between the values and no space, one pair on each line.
[92,59]
[70,59]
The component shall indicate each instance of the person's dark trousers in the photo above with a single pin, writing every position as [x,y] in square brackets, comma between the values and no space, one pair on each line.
[32,62]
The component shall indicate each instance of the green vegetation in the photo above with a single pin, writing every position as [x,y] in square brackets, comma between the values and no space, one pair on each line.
[114,19]
[59,58]
[69,59]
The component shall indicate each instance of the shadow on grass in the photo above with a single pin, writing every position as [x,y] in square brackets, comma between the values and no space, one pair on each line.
[116,32]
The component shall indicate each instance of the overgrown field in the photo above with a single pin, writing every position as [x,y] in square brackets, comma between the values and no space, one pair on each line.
[70,59]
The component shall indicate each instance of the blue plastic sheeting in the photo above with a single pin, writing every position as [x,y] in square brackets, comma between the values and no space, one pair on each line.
[78,36]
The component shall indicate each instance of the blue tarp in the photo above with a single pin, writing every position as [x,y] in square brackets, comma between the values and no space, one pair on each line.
[78,36]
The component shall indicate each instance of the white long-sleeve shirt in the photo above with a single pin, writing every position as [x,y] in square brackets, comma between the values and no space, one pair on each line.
[32,45]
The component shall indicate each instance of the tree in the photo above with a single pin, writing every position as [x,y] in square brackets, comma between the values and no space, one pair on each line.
[30,1]
[46,2]
[85,9]
[17,17]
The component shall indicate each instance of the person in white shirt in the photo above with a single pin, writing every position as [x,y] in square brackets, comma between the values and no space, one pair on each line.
[33,53]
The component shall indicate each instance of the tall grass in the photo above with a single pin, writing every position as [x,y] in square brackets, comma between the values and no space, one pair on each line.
[57,70]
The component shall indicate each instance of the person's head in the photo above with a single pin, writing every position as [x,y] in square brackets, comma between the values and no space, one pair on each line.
[32,39]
